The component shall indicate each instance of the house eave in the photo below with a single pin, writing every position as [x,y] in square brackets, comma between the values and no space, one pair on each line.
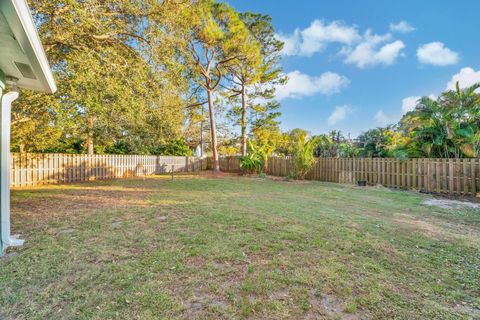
[19,19]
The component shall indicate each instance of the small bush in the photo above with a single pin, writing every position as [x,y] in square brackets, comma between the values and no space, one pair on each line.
[251,163]
[303,158]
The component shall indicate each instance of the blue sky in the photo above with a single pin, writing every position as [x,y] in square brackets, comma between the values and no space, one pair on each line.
[356,65]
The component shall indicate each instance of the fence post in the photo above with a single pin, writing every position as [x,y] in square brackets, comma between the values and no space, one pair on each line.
[473,181]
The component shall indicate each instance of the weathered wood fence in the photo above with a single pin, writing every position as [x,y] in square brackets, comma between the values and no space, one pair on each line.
[28,169]
[227,164]
[452,176]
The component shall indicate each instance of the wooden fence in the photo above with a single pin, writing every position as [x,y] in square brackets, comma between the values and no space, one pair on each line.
[452,176]
[227,164]
[37,169]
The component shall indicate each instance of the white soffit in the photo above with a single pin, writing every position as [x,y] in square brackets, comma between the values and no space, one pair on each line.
[21,52]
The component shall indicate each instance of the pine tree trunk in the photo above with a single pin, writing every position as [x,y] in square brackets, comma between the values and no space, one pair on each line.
[213,131]
[244,122]
[89,141]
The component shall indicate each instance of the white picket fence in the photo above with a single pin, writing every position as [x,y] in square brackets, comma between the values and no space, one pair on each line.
[31,169]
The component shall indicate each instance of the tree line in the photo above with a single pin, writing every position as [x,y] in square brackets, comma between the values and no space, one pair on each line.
[148,77]
[163,77]
[447,126]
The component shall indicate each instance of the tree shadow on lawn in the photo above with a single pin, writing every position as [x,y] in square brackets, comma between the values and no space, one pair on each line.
[210,248]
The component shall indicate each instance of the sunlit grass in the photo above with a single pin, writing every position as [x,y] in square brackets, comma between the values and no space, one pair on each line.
[236,247]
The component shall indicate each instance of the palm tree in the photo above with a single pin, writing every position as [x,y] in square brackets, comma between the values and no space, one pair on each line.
[427,128]
[461,108]
[445,127]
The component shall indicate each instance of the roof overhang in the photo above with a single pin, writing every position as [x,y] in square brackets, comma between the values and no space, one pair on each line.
[21,52]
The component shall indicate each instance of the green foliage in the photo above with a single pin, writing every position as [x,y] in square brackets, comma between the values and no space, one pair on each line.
[133,77]
[303,158]
[267,138]
[115,65]
[216,41]
[374,142]
[335,145]
[126,70]
[400,154]
[287,141]
[176,148]
[253,161]
[446,127]
[254,75]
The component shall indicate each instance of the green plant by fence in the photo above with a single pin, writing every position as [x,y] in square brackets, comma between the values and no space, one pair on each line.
[452,176]
[28,169]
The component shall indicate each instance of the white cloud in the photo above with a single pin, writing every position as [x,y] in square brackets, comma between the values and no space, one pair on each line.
[300,85]
[401,27]
[382,119]
[339,114]
[371,52]
[437,54]
[317,36]
[409,103]
[290,42]
[466,78]
[362,50]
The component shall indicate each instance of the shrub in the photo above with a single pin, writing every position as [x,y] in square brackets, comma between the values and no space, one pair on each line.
[254,161]
[303,158]
[251,163]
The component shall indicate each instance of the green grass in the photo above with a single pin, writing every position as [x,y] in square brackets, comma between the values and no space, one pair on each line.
[197,248]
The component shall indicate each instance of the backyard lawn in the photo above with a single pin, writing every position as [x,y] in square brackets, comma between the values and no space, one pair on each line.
[232,247]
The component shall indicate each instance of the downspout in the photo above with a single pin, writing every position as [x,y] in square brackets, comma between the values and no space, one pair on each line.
[2,87]
[6,109]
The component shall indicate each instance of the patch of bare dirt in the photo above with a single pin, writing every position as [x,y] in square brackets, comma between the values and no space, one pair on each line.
[327,306]
[285,179]
[280,295]
[437,229]
[85,199]
[221,174]
[468,310]
[202,303]
[66,231]
[451,204]
[7,256]
[195,261]
[381,187]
